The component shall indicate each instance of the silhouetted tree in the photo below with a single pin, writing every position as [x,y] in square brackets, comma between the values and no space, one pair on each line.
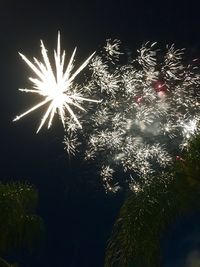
[19,225]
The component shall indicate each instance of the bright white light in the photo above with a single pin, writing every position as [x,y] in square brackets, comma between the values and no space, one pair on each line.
[189,128]
[56,88]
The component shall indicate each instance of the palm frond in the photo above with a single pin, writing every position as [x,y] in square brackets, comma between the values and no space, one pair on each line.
[143,218]
[19,226]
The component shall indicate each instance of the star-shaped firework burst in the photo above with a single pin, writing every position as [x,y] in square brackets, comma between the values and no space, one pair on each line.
[57,88]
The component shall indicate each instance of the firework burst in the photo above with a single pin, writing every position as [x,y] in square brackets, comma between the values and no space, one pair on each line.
[57,89]
[149,110]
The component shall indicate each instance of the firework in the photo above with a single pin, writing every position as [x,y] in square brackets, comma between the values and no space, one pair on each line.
[149,110]
[56,88]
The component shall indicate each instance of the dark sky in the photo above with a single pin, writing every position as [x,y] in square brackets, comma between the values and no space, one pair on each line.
[77,213]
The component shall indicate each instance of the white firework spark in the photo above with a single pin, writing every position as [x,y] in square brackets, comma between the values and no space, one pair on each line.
[112,48]
[57,88]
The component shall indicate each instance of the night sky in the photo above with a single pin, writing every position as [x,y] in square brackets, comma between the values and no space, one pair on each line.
[77,213]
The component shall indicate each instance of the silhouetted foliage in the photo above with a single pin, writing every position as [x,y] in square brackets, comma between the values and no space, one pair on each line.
[19,225]
[135,241]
